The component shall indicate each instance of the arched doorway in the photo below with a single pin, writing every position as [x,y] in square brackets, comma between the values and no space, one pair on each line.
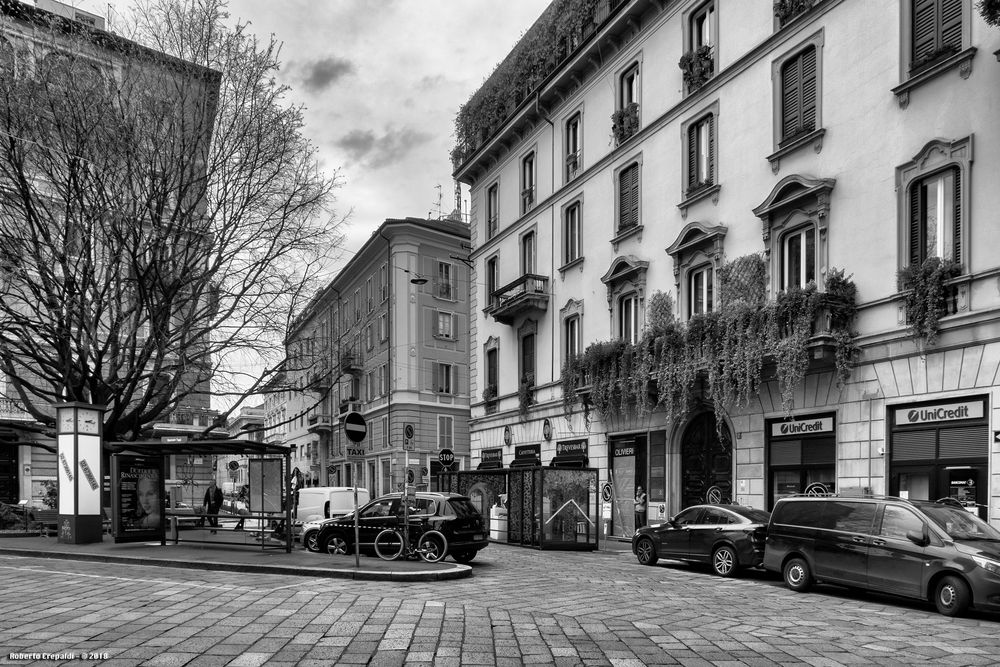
[706,461]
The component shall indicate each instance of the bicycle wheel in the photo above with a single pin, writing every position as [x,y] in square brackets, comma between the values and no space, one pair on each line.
[389,544]
[432,546]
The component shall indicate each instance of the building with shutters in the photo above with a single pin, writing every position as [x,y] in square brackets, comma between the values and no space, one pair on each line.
[387,338]
[675,203]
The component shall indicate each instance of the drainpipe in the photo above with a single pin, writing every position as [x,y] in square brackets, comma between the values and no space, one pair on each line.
[552,234]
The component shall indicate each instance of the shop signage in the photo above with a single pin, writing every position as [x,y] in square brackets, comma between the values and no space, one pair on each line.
[802,427]
[492,455]
[624,451]
[528,452]
[572,448]
[940,413]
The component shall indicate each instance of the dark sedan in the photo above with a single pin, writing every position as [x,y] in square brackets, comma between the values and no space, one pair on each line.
[451,514]
[729,537]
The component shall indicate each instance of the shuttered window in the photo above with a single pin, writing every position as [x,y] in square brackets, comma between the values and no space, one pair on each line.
[798,94]
[701,153]
[937,29]
[935,217]
[628,197]
[914,445]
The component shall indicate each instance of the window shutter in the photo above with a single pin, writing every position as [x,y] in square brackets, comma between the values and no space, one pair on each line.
[693,155]
[710,176]
[628,197]
[434,324]
[958,214]
[924,12]
[634,195]
[951,23]
[915,236]
[790,102]
[809,88]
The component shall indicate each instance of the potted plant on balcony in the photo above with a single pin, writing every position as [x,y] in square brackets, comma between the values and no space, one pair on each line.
[697,65]
[926,295]
[786,10]
[625,123]
[526,394]
[490,393]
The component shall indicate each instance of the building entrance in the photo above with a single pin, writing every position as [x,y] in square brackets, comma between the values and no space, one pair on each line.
[9,488]
[706,462]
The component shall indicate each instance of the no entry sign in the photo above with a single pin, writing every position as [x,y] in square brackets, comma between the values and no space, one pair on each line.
[354,427]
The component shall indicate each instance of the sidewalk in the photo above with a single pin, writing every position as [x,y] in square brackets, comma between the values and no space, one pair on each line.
[234,558]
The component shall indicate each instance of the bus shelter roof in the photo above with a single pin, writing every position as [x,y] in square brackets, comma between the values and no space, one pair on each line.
[196,447]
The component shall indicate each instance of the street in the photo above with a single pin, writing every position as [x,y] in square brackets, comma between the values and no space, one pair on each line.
[520,606]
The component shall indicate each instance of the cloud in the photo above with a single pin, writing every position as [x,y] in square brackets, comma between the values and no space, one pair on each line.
[375,152]
[318,75]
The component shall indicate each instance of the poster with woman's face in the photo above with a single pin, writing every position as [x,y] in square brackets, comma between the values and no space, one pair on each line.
[138,497]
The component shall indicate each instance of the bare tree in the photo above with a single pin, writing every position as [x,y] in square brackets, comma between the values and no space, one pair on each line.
[161,212]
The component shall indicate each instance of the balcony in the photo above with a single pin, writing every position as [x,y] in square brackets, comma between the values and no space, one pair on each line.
[350,364]
[529,293]
[572,165]
[320,423]
[349,406]
[11,410]
[527,198]
[319,378]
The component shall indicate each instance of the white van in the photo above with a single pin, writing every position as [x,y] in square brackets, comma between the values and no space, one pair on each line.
[325,502]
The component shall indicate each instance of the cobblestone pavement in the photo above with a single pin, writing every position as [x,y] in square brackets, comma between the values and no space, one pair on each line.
[519,607]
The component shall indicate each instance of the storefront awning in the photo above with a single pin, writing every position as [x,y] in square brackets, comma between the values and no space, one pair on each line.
[570,461]
[490,465]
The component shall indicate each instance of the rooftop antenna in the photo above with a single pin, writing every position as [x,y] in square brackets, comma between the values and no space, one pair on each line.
[440,196]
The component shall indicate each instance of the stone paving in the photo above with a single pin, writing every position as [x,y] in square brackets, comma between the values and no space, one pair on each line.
[520,607]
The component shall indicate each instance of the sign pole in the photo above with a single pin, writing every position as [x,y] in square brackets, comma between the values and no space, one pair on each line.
[356,430]
[357,549]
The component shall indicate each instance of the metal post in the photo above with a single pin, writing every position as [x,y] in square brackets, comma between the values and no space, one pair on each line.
[357,549]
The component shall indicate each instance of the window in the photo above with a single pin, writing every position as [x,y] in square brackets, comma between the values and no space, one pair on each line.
[628,92]
[628,318]
[702,26]
[444,325]
[383,379]
[445,288]
[372,385]
[571,232]
[492,279]
[701,153]
[628,197]
[898,521]
[383,329]
[370,294]
[574,155]
[798,258]
[528,358]
[492,210]
[528,254]
[383,282]
[357,305]
[370,337]
[798,94]
[446,432]
[625,119]
[527,182]
[935,216]
[700,291]
[573,336]
[442,378]
[937,30]
[934,203]
[492,372]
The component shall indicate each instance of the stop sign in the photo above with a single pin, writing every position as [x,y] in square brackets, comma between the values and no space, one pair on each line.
[446,457]
[354,427]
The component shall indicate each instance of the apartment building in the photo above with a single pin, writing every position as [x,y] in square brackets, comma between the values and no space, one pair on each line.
[387,338]
[734,251]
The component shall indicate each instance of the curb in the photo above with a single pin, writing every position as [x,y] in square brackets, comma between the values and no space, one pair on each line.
[456,571]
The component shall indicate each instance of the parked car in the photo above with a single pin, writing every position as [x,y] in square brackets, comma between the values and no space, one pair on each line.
[729,537]
[451,514]
[322,502]
[934,551]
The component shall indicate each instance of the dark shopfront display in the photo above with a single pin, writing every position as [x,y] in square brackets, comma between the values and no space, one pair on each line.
[547,508]
[802,456]
[940,450]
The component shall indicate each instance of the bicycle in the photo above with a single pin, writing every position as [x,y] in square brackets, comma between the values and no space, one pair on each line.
[430,545]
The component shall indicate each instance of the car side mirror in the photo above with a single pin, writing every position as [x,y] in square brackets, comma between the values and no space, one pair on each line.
[920,538]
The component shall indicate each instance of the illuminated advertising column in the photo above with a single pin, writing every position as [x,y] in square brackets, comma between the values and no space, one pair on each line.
[80,474]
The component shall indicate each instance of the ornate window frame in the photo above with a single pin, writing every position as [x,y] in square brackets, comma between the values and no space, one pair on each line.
[814,138]
[698,244]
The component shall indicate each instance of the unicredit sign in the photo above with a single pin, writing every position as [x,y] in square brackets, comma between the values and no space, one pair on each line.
[802,427]
[940,413]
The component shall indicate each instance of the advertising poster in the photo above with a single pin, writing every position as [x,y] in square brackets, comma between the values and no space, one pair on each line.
[265,485]
[137,494]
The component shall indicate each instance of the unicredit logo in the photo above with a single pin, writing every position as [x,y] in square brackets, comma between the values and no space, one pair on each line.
[937,414]
[801,427]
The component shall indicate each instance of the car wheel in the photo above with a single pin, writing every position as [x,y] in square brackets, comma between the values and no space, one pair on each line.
[464,556]
[951,596]
[336,545]
[311,540]
[797,575]
[724,561]
[645,552]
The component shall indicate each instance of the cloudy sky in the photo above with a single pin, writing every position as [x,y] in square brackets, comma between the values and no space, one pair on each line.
[381,81]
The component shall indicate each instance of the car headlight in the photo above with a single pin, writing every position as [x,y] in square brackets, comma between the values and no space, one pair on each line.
[987,564]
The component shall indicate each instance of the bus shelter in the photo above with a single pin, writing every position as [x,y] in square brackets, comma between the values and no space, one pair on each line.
[140,511]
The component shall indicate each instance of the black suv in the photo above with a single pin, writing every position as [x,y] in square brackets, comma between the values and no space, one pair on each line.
[451,514]
[935,551]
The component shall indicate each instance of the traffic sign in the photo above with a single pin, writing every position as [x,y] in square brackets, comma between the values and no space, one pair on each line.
[446,457]
[607,492]
[409,476]
[354,427]
[234,465]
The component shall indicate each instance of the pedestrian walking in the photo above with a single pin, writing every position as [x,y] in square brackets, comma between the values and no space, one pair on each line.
[213,501]
[640,507]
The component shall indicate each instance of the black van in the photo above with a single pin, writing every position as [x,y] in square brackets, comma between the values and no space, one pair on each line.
[936,551]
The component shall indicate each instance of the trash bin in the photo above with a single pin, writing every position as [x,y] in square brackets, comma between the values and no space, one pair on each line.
[498,524]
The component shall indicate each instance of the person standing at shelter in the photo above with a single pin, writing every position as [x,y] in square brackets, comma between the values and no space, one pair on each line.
[640,507]
[213,501]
